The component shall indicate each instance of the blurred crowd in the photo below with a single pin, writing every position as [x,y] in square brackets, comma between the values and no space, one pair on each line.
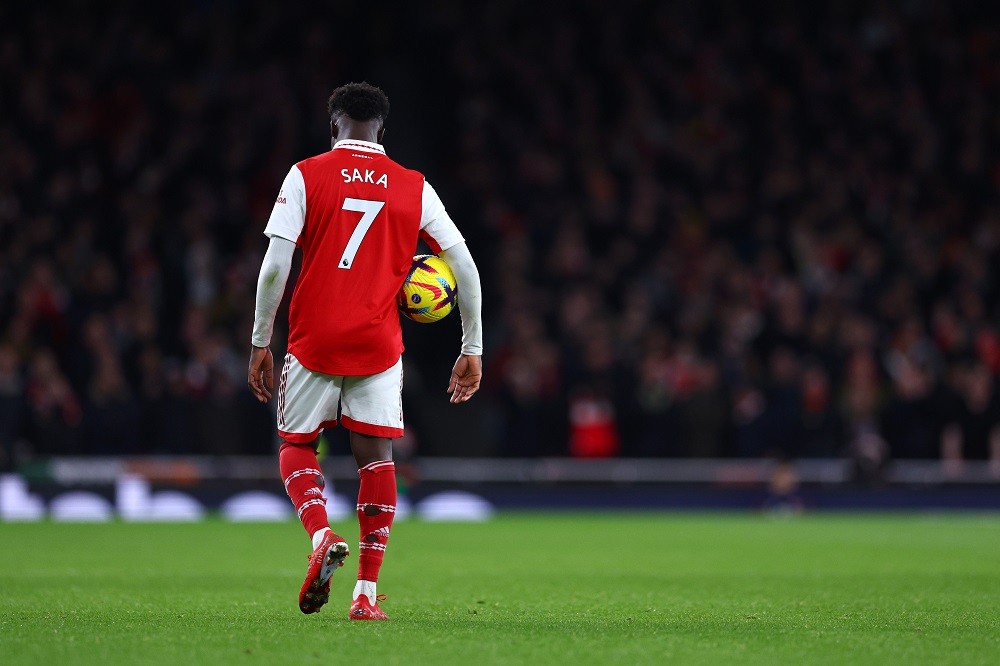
[704,229]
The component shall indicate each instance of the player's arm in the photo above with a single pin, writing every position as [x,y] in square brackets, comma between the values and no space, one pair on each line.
[283,227]
[468,370]
[274,272]
[440,232]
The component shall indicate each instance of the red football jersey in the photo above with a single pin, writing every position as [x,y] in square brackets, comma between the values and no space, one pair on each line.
[359,228]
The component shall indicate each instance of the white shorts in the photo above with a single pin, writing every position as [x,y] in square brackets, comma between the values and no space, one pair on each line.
[309,401]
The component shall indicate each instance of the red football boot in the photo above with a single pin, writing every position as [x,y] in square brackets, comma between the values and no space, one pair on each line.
[329,555]
[362,610]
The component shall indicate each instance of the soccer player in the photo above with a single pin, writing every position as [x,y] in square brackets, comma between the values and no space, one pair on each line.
[357,216]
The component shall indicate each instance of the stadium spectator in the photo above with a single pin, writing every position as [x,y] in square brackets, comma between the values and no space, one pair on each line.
[11,405]
[973,431]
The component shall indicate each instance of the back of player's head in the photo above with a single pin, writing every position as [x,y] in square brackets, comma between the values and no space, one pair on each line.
[360,101]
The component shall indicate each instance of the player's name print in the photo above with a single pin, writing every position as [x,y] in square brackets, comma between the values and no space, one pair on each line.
[364,176]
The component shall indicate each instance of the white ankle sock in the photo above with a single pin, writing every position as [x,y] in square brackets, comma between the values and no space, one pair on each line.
[367,588]
[318,536]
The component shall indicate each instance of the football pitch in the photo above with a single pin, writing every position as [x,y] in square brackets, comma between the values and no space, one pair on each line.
[638,588]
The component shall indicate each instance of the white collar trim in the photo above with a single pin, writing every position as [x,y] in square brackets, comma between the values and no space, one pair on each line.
[355,144]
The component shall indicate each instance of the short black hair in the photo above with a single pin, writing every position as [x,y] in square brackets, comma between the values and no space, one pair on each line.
[361,101]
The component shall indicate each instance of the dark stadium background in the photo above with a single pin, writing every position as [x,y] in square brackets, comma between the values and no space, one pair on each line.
[705,230]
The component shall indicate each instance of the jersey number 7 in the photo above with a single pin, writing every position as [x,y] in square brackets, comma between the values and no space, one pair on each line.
[369,211]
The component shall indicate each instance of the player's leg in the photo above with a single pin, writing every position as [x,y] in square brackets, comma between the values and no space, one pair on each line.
[376,509]
[372,411]
[368,450]
[307,403]
[304,482]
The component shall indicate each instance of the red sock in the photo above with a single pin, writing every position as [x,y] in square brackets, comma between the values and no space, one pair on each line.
[376,508]
[304,483]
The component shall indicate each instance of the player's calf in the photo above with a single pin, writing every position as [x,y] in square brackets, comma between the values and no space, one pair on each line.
[304,484]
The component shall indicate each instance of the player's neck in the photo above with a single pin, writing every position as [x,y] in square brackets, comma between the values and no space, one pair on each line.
[356,131]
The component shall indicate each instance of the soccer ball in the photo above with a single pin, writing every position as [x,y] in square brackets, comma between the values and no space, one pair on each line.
[429,292]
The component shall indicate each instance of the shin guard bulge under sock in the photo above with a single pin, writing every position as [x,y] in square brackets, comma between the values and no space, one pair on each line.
[304,483]
[376,509]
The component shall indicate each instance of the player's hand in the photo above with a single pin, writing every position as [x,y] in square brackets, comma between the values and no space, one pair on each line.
[260,376]
[465,378]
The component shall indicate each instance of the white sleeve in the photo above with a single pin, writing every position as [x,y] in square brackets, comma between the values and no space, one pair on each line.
[436,227]
[470,297]
[289,213]
[274,272]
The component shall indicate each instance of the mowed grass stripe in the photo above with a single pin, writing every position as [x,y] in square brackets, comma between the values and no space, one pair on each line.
[543,589]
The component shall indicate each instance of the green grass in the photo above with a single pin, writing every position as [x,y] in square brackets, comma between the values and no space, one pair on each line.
[522,589]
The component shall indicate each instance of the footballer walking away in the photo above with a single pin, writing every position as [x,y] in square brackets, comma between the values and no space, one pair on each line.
[357,216]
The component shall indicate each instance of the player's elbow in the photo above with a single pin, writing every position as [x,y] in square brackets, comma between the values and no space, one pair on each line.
[460,260]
